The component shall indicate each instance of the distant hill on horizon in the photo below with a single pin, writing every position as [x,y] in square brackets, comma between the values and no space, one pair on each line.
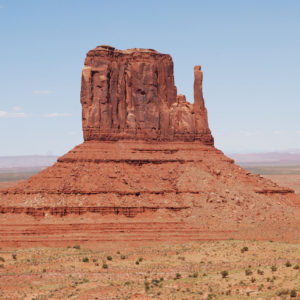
[267,158]
[28,163]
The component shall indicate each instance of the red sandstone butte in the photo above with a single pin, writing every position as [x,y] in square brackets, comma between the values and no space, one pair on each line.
[131,95]
[147,170]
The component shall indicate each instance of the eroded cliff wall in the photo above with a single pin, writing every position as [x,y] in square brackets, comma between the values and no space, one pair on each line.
[130,94]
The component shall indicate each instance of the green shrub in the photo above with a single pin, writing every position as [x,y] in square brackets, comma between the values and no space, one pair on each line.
[137,262]
[2,259]
[248,272]
[141,259]
[123,256]
[105,266]
[85,259]
[293,293]
[260,272]
[297,267]
[147,286]
[288,264]
[273,268]
[244,249]
[108,257]
[127,283]
[224,274]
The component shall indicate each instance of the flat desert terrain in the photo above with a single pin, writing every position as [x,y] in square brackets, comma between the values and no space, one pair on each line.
[200,270]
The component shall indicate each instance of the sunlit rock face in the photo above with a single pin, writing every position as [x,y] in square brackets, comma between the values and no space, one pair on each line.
[130,94]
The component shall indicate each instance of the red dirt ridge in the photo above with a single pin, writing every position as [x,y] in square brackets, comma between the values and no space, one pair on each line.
[147,170]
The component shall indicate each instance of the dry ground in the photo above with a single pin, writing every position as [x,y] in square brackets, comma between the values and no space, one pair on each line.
[188,271]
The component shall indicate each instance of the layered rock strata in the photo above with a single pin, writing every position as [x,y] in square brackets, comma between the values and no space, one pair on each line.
[147,170]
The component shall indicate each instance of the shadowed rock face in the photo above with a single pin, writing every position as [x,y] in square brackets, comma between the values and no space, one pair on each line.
[130,94]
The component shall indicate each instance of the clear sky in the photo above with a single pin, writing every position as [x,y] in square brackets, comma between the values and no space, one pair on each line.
[249,51]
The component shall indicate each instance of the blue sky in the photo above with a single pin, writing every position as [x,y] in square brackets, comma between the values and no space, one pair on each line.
[248,49]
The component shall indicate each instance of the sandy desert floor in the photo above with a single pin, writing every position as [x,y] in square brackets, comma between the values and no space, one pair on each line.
[201,270]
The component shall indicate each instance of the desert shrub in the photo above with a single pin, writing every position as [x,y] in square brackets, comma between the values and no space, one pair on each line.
[195,275]
[14,256]
[283,292]
[123,256]
[141,259]
[1,266]
[177,276]
[94,260]
[44,270]
[293,293]
[260,272]
[297,267]
[137,262]
[118,252]
[253,279]
[224,274]
[248,272]
[108,257]
[147,286]
[76,247]
[85,259]
[2,259]
[244,249]
[273,268]
[105,266]
[127,283]
[155,282]
[288,264]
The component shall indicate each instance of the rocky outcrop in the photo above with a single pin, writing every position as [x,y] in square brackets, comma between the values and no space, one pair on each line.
[130,94]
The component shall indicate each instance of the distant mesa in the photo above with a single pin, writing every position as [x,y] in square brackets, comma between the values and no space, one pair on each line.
[147,170]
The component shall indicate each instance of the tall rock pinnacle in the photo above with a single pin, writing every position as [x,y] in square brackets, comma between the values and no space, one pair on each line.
[130,94]
[199,107]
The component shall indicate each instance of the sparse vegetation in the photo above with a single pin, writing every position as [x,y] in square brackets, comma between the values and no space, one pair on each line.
[164,276]
[293,293]
[248,272]
[288,264]
[273,268]
[244,249]
[224,274]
